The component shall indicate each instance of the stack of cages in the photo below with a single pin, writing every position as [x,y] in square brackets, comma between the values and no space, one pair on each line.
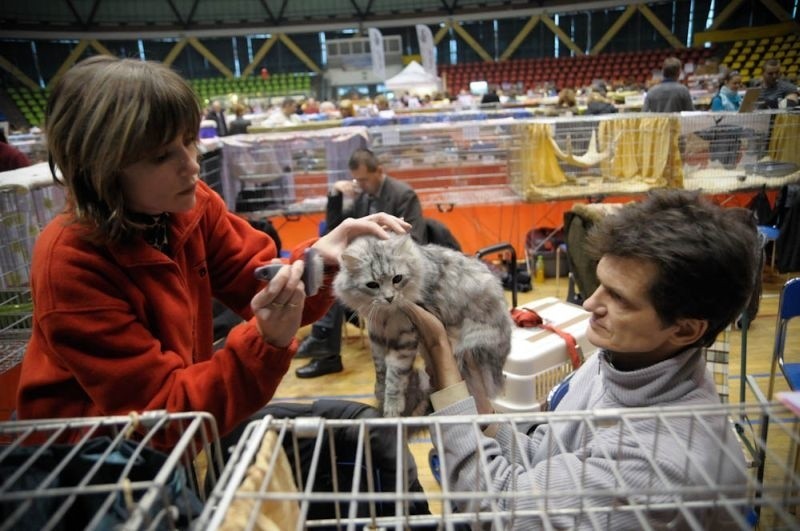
[449,163]
[24,210]
[597,156]
[677,467]
[284,173]
[142,471]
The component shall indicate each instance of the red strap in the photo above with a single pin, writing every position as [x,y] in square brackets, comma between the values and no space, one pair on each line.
[527,318]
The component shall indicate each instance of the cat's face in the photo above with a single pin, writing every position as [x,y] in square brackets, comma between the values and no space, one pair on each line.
[376,274]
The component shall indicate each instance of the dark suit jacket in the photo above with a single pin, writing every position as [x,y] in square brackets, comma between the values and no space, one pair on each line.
[395,198]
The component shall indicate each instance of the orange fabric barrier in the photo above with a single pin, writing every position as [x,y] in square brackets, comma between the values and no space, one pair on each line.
[478,226]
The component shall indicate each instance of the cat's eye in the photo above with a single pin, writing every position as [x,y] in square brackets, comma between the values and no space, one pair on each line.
[397,279]
[372,285]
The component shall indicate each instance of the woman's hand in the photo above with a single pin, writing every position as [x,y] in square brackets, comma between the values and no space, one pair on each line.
[278,308]
[331,245]
[443,367]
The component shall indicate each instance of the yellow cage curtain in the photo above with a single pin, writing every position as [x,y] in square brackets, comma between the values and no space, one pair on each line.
[784,143]
[645,148]
[538,163]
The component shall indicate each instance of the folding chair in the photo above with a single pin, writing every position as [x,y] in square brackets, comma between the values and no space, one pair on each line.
[788,308]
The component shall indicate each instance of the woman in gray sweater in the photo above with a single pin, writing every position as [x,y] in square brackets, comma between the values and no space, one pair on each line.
[674,271]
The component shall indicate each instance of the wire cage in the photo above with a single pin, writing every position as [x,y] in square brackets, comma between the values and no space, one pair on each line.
[259,485]
[107,472]
[211,168]
[267,173]
[715,152]
[449,164]
[27,203]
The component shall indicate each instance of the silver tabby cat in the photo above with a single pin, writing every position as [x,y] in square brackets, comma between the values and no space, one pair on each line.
[377,277]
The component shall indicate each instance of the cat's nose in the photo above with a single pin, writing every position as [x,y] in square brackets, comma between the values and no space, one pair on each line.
[389,298]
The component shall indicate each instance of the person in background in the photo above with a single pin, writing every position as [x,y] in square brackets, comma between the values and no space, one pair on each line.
[727,98]
[776,92]
[239,125]
[310,106]
[347,108]
[670,95]
[598,102]
[218,115]
[567,102]
[666,290]
[11,158]
[284,115]
[371,191]
[122,281]
[491,96]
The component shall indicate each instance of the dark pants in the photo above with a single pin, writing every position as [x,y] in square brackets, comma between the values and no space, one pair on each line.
[383,446]
[329,329]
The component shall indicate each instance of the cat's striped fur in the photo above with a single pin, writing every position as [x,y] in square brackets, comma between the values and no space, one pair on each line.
[378,276]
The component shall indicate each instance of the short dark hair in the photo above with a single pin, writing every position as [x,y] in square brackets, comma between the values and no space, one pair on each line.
[707,256]
[672,68]
[365,157]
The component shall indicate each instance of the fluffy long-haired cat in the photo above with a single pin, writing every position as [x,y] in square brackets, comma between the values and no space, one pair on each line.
[377,277]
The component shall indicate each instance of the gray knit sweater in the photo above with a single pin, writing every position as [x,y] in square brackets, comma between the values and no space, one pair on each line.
[563,457]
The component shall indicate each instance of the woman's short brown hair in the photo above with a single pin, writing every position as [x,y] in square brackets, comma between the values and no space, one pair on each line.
[105,114]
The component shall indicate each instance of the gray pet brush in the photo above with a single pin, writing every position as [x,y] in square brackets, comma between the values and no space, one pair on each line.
[312,272]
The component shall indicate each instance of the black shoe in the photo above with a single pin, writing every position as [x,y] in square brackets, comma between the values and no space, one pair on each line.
[313,347]
[320,367]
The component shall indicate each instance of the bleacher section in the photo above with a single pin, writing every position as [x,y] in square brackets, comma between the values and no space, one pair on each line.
[31,103]
[747,56]
[623,67]
[278,84]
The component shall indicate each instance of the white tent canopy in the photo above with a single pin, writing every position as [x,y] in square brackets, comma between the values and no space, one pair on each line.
[413,79]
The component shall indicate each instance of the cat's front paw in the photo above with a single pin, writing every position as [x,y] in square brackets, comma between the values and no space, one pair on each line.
[393,410]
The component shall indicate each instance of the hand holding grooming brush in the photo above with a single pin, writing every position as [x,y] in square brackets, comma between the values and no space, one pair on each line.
[278,308]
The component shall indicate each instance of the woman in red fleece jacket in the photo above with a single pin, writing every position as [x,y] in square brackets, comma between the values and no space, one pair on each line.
[123,280]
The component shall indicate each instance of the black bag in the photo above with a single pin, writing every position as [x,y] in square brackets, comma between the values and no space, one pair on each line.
[761,207]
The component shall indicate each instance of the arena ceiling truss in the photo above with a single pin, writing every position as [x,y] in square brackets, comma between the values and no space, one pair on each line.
[92,21]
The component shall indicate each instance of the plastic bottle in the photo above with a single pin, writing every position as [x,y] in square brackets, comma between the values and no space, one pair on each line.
[539,269]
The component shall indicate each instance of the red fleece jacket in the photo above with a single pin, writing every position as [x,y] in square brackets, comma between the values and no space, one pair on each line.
[126,328]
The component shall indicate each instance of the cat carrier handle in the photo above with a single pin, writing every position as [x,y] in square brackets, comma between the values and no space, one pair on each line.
[512,264]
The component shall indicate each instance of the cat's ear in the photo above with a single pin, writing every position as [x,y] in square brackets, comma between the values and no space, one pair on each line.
[349,261]
[405,243]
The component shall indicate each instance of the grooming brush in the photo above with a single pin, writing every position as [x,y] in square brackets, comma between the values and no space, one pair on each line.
[312,272]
